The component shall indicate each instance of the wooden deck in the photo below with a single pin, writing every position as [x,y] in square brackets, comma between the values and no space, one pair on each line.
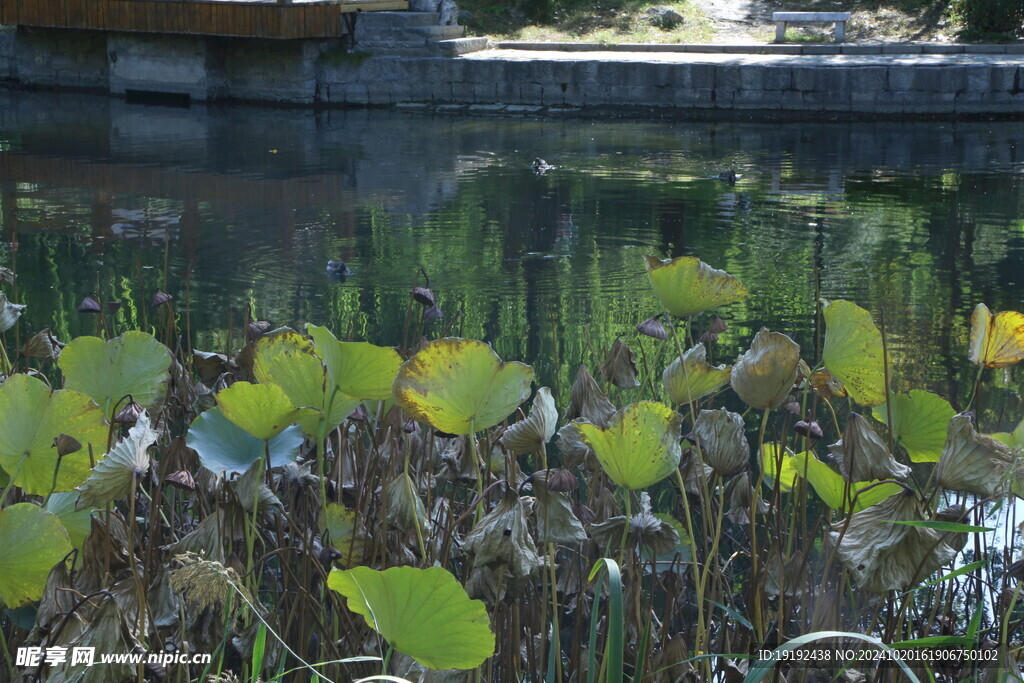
[239,18]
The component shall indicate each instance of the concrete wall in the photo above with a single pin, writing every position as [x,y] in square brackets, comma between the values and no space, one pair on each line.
[321,72]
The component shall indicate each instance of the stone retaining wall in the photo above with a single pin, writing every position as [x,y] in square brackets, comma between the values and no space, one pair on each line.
[655,81]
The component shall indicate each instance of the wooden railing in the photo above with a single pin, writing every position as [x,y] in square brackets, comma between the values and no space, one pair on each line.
[245,18]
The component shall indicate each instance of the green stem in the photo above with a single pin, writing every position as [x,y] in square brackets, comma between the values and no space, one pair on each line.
[10,482]
[7,653]
[482,472]
[387,660]
[625,531]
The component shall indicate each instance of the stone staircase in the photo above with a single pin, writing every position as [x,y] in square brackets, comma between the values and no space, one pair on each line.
[411,34]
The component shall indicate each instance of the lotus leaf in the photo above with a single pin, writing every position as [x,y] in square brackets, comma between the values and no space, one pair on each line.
[9,313]
[113,475]
[694,378]
[76,519]
[225,448]
[134,363]
[33,540]
[828,484]
[287,359]
[722,441]
[640,445]
[529,435]
[740,492]
[31,417]
[884,556]
[556,522]
[862,455]
[996,340]
[687,286]
[460,385]
[764,375]
[919,421]
[586,400]
[1014,439]
[424,613]
[263,410]
[108,631]
[619,366]
[853,351]
[502,537]
[346,534]
[973,462]
[405,509]
[358,369]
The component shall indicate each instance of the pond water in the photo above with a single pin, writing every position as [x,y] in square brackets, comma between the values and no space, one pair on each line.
[227,208]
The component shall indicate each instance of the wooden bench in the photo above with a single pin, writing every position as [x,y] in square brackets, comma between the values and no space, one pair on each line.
[783,18]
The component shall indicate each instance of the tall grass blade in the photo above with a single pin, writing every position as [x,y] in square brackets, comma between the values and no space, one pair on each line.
[764,667]
[613,651]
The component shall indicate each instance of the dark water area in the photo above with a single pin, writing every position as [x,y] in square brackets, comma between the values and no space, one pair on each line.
[233,207]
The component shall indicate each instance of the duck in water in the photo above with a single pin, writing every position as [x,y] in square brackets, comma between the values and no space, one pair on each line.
[338,269]
[540,167]
[729,176]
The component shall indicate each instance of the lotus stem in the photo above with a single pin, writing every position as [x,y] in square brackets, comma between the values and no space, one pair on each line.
[412,494]
[483,471]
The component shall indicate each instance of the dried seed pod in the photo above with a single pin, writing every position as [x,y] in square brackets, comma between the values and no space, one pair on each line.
[181,479]
[708,338]
[793,407]
[113,306]
[432,313]
[653,328]
[160,298]
[89,305]
[811,430]
[66,444]
[42,345]
[717,325]
[423,296]
[256,329]
[359,414]
[130,413]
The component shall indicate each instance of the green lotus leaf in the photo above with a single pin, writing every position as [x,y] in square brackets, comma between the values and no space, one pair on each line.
[687,286]
[31,417]
[358,369]
[424,613]
[694,378]
[346,533]
[919,421]
[77,520]
[134,363]
[113,475]
[1014,439]
[223,447]
[853,351]
[288,359]
[826,482]
[263,410]
[33,541]
[460,385]
[639,447]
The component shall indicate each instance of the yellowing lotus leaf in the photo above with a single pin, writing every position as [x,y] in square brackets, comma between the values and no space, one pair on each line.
[853,351]
[764,375]
[460,385]
[33,540]
[424,613]
[687,286]
[996,340]
[288,359]
[693,378]
[919,422]
[529,435]
[263,410]
[639,447]
[358,369]
[31,417]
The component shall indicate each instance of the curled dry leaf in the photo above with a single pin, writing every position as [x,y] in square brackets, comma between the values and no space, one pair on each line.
[126,462]
[529,435]
[42,345]
[586,400]
[644,531]
[574,451]
[764,375]
[556,521]
[693,378]
[721,439]
[653,328]
[884,556]
[861,454]
[9,313]
[740,492]
[619,366]
[502,538]
[405,509]
[971,461]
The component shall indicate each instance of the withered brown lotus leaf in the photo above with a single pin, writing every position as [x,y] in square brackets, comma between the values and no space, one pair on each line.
[722,441]
[586,400]
[529,435]
[250,489]
[956,514]
[652,327]
[502,537]
[826,385]
[971,461]
[405,508]
[619,366]
[740,493]
[56,601]
[556,522]
[693,378]
[645,530]
[556,479]
[209,365]
[570,445]
[862,455]
[811,429]
[695,472]
[207,539]
[106,631]
[883,556]
[424,296]
[181,479]
[89,305]
[160,298]
[42,345]
[764,375]
[256,329]
[7,276]
[485,583]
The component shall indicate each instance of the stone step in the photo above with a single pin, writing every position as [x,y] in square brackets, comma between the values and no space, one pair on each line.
[435,33]
[461,46]
[383,21]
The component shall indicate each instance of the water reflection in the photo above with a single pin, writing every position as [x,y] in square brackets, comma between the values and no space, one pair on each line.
[227,208]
